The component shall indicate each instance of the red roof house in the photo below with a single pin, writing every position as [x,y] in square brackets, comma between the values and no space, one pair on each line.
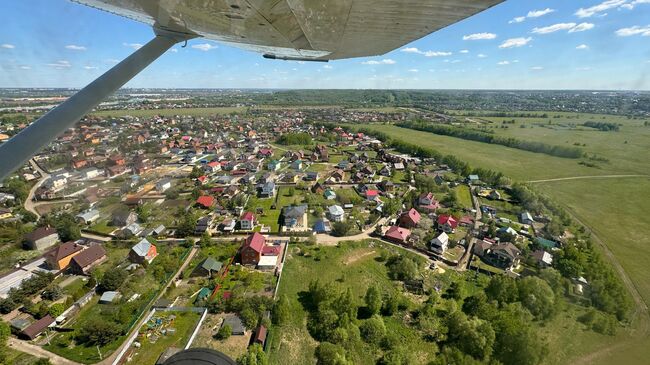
[205,201]
[447,223]
[252,250]
[247,221]
[410,219]
[397,234]
[372,194]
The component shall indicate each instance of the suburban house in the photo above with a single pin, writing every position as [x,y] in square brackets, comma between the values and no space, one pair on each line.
[447,223]
[317,188]
[143,251]
[329,194]
[311,176]
[268,190]
[132,230]
[322,226]
[59,258]
[87,259]
[88,217]
[504,255]
[274,165]
[482,246]
[247,221]
[372,195]
[41,238]
[109,297]
[251,252]
[124,218]
[410,219]
[207,268]
[204,225]
[439,244]
[526,218]
[205,201]
[296,165]
[294,215]
[36,328]
[428,202]
[163,185]
[542,258]
[337,176]
[397,234]
[335,213]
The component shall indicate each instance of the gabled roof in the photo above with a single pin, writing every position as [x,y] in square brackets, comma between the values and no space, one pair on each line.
[40,232]
[64,250]
[255,241]
[205,200]
[37,327]
[413,215]
[142,248]
[211,264]
[335,210]
[398,233]
[447,219]
[89,255]
[247,216]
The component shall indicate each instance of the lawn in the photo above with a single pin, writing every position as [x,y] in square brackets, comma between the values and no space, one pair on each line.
[464,196]
[183,324]
[285,197]
[270,217]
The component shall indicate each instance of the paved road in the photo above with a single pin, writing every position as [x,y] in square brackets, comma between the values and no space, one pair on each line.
[29,202]
[587,177]
[37,351]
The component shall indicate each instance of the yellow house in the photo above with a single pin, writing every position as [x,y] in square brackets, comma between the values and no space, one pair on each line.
[59,258]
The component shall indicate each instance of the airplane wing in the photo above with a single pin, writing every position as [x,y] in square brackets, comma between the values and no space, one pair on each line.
[309,29]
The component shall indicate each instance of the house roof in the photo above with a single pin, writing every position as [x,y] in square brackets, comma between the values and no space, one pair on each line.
[398,233]
[89,255]
[294,211]
[205,200]
[37,327]
[211,264]
[447,219]
[109,296]
[248,216]
[507,248]
[372,193]
[260,334]
[88,215]
[256,241]
[64,250]
[413,215]
[39,233]
[442,238]
[235,323]
[335,210]
[271,250]
[142,248]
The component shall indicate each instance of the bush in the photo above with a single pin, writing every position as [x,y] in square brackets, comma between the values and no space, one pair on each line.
[224,332]
[373,330]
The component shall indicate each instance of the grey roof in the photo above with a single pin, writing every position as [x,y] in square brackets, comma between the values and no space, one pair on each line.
[142,248]
[108,297]
[89,215]
[335,210]
[211,264]
[295,211]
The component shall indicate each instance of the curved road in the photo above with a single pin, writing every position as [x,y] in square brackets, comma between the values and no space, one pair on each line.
[29,202]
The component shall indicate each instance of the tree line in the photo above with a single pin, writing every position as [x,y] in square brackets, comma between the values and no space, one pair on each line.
[479,136]
[602,126]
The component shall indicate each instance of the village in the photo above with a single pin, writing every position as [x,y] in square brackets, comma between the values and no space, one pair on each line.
[139,237]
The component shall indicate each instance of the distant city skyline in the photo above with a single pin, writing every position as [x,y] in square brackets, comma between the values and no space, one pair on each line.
[590,45]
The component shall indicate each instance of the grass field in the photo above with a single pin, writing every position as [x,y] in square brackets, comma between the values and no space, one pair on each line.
[464,196]
[611,207]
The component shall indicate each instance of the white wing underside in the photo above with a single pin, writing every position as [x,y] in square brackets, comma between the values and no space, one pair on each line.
[309,29]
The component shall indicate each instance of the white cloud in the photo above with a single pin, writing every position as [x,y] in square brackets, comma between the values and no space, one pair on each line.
[503,63]
[112,60]
[7,46]
[582,47]
[570,27]
[90,67]
[204,46]
[515,42]
[62,64]
[635,30]
[174,50]
[538,13]
[456,61]
[537,68]
[581,27]
[583,68]
[135,46]
[425,53]
[464,51]
[415,70]
[596,9]
[532,14]
[25,67]
[481,55]
[479,36]
[329,67]
[74,47]
[385,61]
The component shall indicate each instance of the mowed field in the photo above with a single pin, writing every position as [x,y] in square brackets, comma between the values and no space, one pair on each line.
[614,208]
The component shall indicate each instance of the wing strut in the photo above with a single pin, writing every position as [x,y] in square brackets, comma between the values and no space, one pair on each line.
[21,147]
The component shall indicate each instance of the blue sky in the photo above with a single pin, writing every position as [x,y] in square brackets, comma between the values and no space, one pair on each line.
[519,44]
